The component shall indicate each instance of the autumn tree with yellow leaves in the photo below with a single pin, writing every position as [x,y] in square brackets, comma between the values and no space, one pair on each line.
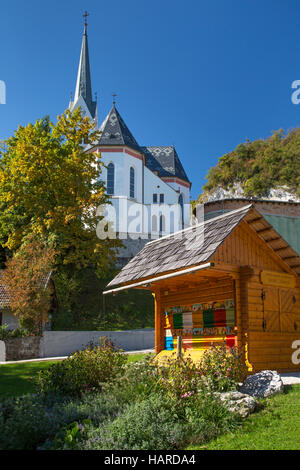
[50,186]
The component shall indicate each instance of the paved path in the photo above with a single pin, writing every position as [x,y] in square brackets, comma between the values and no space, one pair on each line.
[290,378]
[39,359]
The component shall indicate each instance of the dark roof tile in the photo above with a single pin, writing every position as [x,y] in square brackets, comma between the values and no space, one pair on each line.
[164,160]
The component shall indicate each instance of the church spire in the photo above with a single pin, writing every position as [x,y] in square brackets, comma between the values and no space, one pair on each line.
[83,90]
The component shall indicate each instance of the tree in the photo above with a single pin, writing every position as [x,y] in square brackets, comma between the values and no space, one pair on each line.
[259,166]
[50,186]
[26,280]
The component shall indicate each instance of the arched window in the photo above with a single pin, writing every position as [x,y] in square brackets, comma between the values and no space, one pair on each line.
[110,178]
[162,223]
[154,223]
[180,202]
[131,186]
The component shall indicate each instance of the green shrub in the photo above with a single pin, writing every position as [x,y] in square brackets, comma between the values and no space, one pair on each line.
[5,333]
[69,437]
[85,371]
[179,377]
[162,422]
[206,418]
[223,368]
[149,424]
[24,422]
[135,382]
[29,421]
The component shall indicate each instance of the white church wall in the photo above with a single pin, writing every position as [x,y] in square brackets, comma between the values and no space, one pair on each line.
[185,192]
[130,215]
[123,162]
[155,185]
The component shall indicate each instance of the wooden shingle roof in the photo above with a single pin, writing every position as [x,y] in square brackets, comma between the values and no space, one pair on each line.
[197,244]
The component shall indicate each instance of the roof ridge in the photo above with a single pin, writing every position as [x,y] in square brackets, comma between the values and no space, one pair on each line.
[240,209]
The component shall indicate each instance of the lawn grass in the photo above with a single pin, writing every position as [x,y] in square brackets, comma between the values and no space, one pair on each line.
[18,378]
[276,427]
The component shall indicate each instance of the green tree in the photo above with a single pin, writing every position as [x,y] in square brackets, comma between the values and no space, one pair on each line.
[50,186]
[259,166]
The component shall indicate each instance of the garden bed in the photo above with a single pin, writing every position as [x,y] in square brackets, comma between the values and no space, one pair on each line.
[97,400]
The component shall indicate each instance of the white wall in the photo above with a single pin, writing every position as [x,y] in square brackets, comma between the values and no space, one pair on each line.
[64,343]
[152,185]
[123,162]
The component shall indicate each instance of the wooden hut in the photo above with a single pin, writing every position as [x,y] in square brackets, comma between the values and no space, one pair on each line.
[232,278]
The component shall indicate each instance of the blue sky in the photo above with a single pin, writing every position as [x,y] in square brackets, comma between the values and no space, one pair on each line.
[202,75]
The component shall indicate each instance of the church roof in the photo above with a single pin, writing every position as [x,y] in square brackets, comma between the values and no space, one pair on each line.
[114,131]
[164,160]
[84,84]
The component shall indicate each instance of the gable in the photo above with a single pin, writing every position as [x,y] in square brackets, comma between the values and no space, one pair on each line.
[245,248]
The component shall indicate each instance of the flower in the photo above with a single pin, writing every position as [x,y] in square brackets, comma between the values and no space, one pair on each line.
[187,394]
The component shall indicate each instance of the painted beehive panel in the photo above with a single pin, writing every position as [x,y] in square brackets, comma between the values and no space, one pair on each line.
[200,325]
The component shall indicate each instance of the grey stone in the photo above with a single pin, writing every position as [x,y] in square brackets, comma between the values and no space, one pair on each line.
[237,402]
[2,352]
[26,347]
[263,384]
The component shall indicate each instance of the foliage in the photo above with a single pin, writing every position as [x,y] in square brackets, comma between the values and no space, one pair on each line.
[50,186]
[259,166]
[206,417]
[136,382]
[131,411]
[82,307]
[69,437]
[275,427]
[26,280]
[83,371]
[180,377]
[5,333]
[19,378]
[223,368]
[162,422]
[35,419]
[24,422]
[150,424]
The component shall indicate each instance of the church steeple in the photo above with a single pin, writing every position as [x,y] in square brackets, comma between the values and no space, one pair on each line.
[83,90]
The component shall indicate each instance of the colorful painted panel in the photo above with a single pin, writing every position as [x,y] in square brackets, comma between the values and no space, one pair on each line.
[200,325]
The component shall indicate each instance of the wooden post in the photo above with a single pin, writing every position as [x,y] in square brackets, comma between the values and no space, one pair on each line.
[179,347]
[238,310]
[156,296]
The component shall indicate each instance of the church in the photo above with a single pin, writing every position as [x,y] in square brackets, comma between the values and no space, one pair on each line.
[147,185]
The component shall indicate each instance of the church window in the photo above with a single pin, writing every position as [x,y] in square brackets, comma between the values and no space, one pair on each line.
[180,201]
[154,198]
[162,224]
[132,182]
[154,223]
[111,178]
[161,198]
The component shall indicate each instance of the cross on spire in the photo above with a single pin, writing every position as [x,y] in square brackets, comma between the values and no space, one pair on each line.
[85,15]
[114,98]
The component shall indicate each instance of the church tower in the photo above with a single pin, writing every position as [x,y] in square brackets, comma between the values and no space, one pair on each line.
[148,188]
[83,90]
